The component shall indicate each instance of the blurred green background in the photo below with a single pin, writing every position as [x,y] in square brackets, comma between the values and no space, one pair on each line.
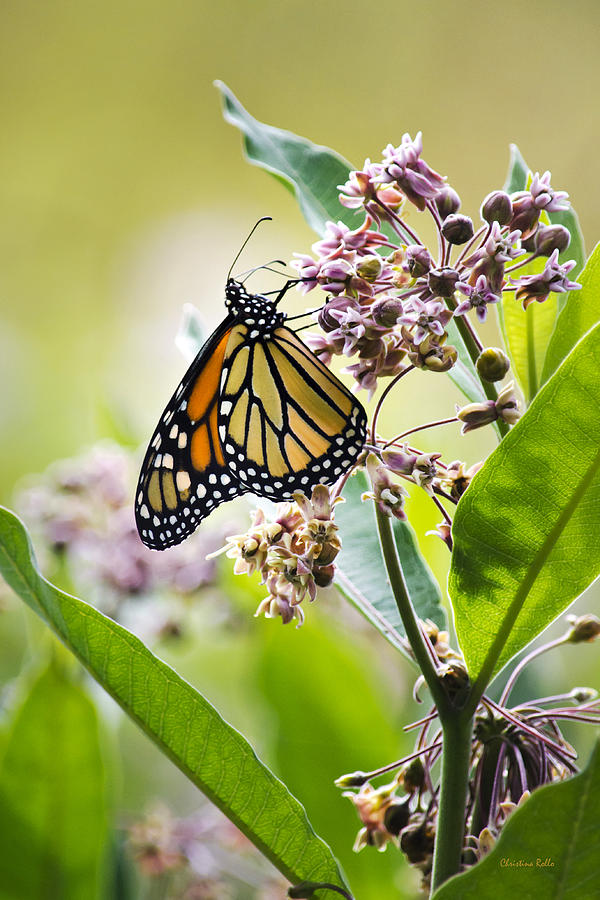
[124,195]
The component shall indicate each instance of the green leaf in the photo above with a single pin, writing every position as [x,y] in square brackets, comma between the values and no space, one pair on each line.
[526,536]
[190,336]
[361,574]
[53,820]
[527,333]
[309,171]
[313,172]
[180,721]
[580,313]
[549,847]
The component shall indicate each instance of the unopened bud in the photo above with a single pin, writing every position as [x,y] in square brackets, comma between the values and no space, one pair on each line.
[476,415]
[324,575]
[396,816]
[370,268]
[549,238]
[417,841]
[418,260]
[352,780]
[413,777]
[492,364]
[386,312]
[249,548]
[583,694]
[442,281]
[447,201]
[455,678]
[274,532]
[497,207]
[457,229]
[583,628]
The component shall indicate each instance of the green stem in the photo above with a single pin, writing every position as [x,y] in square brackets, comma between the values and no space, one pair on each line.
[473,350]
[453,798]
[407,613]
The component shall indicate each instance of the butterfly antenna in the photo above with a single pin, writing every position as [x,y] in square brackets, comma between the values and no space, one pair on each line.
[266,266]
[239,253]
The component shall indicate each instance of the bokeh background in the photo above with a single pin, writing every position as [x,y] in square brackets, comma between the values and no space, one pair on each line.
[125,195]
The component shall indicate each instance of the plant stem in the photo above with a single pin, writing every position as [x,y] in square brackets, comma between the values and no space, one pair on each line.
[407,613]
[474,351]
[454,785]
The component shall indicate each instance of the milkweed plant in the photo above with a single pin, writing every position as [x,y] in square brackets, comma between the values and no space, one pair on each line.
[491,782]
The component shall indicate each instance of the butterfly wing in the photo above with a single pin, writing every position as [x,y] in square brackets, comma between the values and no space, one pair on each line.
[184,475]
[286,422]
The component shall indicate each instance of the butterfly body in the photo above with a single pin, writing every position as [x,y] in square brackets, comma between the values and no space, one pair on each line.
[256,412]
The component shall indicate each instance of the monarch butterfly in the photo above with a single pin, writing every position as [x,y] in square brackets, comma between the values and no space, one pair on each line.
[256,412]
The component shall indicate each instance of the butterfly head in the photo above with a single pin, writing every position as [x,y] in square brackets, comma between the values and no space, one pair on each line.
[251,308]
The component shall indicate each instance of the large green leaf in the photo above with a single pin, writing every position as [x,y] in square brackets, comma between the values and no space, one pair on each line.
[53,817]
[580,313]
[313,172]
[361,574]
[549,847]
[527,333]
[180,721]
[309,171]
[526,532]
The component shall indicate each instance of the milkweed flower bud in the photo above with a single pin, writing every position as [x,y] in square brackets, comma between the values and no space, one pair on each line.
[549,238]
[476,415]
[457,229]
[417,841]
[418,260]
[370,268]
[413,776]
[447,201]
[397,815]
[352,780]
[387,311]
[583,628]
[583,694]
[497,207]
[442,282]
[492,364]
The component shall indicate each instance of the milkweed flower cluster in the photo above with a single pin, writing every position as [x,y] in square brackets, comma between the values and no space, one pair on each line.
[514,750]
[391,300]
[294,552]
[189,857]
[80,513]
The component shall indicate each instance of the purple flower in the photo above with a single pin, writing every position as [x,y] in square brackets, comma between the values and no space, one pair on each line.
[358,188]
[341,239]
[477,297]
[544,197]
[403,166]
[429,316]
[553,278]
[527,205]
